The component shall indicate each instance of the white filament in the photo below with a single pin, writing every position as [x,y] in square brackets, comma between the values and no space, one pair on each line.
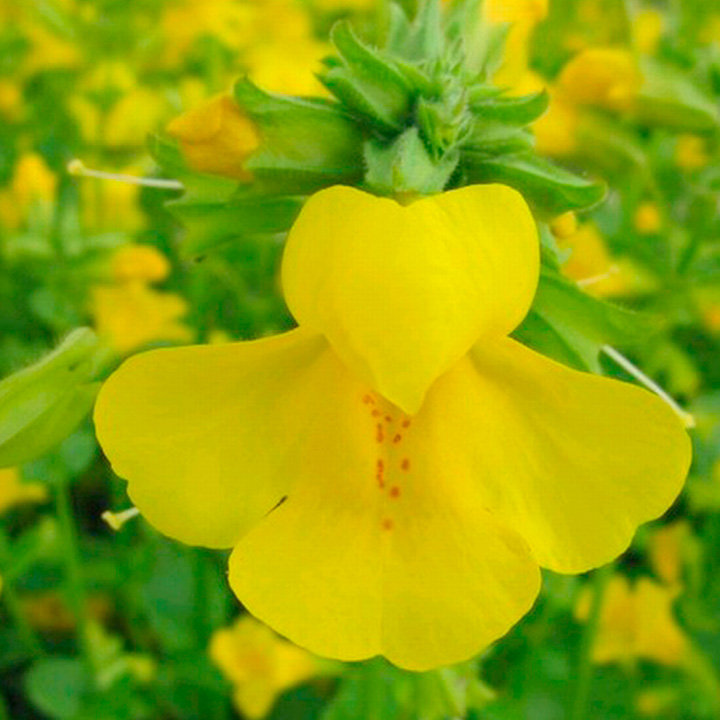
[77,167]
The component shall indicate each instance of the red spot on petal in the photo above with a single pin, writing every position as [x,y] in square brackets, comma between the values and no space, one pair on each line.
[379,434]
[406,423]
[368,400]
[405,464]
[387,524]
[394,491]
[380,473]
[376,413]
[397,438]
[388,419]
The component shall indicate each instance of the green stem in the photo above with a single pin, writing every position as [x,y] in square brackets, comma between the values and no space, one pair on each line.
[73,564]
[14,607]
[583,681]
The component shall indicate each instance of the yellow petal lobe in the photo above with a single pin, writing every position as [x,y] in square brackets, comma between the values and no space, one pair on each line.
[203,434]
[402,292]
[573,462]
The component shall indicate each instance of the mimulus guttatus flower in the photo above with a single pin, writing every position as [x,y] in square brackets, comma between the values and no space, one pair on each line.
[393,473]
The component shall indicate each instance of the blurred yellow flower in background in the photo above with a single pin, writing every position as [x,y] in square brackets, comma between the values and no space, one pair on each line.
[523,16]
[605,77]
[648,25]
[259,664]
[668,548]
[32,187]
[128,313]
[591,265]
[13,491]
[216,137]
[691,152]
[647,220]
[139,262]
[636,623]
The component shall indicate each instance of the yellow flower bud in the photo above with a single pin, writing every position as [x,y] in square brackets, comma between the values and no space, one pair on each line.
[216,137]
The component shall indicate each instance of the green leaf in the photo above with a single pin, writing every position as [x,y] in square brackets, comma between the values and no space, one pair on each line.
[570,326]
[549,189]
[58,687]
[41,405]
[518,111]
[367,83]
[670,99]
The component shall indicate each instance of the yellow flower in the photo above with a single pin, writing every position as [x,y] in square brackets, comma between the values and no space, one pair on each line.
[691,152]
[636,623]
[523,16]
[216,137]
[131,315]
[33,186]
[591,265]
[556,131]
[127,312]
[513,11]
[259,664]
[647,29]
[10,100]
[601,76]
[393,472]
[287,68]
[648,220]
[667,550]
[15,492]
[139,262]
[185,21]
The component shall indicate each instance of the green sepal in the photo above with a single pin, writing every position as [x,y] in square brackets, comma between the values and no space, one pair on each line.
[518,111]
[215,210]
[44,403]
[549,189]
[368,84]
[307,143]
[498,138]
[571,326]
[406,166]
[669,99]
[213,214]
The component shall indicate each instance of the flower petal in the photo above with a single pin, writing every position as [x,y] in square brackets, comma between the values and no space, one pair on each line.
[204,434]
[574,462]
[402,292]
[383,551]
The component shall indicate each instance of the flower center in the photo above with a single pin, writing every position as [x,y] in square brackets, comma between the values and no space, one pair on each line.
[389,428]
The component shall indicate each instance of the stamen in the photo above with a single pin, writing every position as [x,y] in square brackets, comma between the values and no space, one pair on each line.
[649,383]
[77,167]
[117,520]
